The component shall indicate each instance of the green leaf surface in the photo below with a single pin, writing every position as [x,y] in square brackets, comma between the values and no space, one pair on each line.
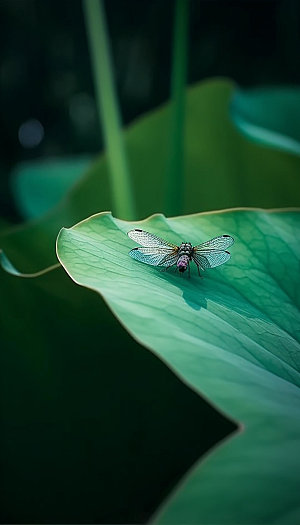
[39,185]
[232,336]
[269,116]
[86,437]
[222,169]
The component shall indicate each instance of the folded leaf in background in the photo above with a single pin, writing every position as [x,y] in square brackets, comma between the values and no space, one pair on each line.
[222,169]
[269,116]
[39,185]
[233,336]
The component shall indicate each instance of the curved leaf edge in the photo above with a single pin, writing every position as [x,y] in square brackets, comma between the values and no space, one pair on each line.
[266,137]
[9,268]
[201,461]
[257,133]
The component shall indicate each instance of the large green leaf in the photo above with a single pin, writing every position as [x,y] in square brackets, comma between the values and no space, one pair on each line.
[269,116]
[233,336]
[222,169]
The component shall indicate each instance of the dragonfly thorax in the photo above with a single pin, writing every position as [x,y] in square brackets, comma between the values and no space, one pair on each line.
[185,249]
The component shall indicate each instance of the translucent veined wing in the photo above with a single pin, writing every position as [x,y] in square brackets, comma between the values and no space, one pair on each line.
[210,258]
[154,256]
[169,260]
[217,243]
[149,239]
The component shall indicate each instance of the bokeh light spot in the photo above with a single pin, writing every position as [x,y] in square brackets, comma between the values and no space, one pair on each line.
[31,133]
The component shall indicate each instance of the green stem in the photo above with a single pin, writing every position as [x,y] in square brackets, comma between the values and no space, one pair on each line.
[122,195]
[175,163]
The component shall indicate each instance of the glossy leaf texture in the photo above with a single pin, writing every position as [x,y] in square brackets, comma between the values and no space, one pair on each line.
[222,169]
[233,336]
[269,116]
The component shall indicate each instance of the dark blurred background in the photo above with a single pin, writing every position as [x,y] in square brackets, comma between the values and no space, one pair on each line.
[46,81]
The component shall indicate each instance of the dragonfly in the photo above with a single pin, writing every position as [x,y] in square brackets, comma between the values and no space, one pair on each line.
[158,252]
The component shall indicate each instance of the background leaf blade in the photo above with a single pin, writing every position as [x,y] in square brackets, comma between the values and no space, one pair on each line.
[222,169]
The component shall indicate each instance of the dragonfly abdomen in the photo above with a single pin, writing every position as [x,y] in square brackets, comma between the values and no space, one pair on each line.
[185,252]
[183,262]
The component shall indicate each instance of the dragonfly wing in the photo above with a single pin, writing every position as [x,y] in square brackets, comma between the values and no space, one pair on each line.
[149,239]
[154,256]
[217,243]
[169,260]
[210,258]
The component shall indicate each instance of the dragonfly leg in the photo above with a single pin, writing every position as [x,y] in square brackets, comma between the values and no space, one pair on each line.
[198,269]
